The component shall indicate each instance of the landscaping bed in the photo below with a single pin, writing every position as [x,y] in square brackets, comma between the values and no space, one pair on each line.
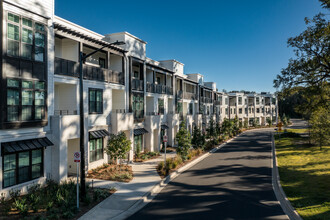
[54,201]
[305,175]
[141,157]
[113,172]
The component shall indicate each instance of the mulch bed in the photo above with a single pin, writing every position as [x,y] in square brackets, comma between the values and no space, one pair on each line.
[120,173]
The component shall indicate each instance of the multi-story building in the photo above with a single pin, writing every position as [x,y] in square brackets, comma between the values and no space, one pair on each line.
[123,91]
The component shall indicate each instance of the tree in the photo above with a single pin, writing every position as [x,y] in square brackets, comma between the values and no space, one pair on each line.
[235,125]
[246,123]
[184,141]
[198,139]
[118,146]
[269,121]
[211,132]
[320,127]
[227,128]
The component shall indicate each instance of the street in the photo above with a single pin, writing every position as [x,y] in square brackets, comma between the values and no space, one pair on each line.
[233,183]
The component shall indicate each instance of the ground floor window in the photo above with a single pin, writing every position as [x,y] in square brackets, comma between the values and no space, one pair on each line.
[21,167]
[95,149]
[138,143]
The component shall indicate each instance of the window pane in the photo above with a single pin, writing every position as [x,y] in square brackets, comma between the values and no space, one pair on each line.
[39,39]
[9,162]
[39,27]
[99,95]
[99,144]
[27,85]
[23,174]
[13,18]
[26,113]
[24,159]
[92,95]
[9,178]
[39,98]
[92,145]
[27,22]
[27,98]
[27,36]
[12,97]
[36,171]
[36,156]
[27,51]
[12,83]
[39,54]
[92,107]
[12,113]
[40,85]
[39,112]
[13,48]
[13,32]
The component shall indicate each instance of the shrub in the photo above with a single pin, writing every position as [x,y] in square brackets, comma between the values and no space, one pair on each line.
[21,206]
[209,145]
[184,141]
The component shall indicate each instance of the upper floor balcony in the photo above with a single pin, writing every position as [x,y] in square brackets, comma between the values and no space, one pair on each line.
[191,96]
[71,68]
[159,88]
[137,84]
[206,100]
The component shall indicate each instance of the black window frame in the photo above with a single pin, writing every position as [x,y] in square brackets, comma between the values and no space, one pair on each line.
[96,151]
[17,182]
[20,90]
[94,111]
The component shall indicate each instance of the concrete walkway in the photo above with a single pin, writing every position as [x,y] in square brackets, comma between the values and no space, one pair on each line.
[127,194]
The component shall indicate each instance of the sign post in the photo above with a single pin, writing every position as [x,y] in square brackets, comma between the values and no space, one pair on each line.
[77,158]
[165,143]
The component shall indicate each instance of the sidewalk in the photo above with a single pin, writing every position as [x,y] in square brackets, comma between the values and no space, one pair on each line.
[127,194]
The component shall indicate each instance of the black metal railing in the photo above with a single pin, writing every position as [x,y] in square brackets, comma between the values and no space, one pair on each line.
[65,112]
[71,68]
[120,111]
[137,84]
[158,88]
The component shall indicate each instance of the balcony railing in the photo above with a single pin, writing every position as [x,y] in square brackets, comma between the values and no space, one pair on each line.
[65,112]
[71,68]
[179,94]
[188,95]
[217,102]
[138,116]
[137,84]
[206,100]
[160,89]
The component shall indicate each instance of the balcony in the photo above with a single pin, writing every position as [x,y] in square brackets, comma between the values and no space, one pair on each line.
[138,116]
[158,88]
[206,100]
[179,94]
[217,102]
[71,68]
[191,96]
[137,84]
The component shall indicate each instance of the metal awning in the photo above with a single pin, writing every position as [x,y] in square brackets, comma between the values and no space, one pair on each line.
[24,145]
[99,133]
[164,127]
[140,131]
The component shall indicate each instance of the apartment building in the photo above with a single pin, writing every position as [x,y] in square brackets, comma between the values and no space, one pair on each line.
[123,91]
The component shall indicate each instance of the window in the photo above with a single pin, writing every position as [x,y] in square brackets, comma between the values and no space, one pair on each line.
[191,109]
[258,110]
[246,101]
[138,143]
[161,106]
[22,167]
[226,101]
[95,149]
[25,100]
[136,74]
[257,101]
[246,110]
[179,108]
[240,100]
[102,62]
[226,111]
[138,105]
[273,101]
[158,80]
[95,101]
[240,110]
[25,38]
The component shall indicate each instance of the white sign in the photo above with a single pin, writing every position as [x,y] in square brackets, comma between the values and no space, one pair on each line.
[164,138]
[76,157]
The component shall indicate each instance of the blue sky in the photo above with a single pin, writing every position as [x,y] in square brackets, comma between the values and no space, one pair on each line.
[238,44]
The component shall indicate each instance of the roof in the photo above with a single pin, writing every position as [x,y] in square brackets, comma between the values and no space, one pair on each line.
[99,133]
[139,131]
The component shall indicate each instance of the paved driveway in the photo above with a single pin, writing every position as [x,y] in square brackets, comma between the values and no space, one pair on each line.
[233,183]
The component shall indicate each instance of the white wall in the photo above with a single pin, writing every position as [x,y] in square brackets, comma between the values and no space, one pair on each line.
[66,97]
[116,63]
[42,7]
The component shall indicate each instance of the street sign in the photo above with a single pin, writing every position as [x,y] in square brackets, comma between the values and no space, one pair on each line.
[76,157]
[164,138]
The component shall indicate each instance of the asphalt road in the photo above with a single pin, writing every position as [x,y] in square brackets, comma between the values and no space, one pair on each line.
[233,183]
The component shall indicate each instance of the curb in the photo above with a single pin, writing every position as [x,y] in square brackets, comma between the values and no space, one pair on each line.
[278,190]
[149,196]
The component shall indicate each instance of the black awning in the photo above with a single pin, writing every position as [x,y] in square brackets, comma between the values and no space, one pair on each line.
[140,131]
[164,127]
[24,145]
[99,133]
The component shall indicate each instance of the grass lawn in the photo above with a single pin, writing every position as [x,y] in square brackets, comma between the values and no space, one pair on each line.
[305,176]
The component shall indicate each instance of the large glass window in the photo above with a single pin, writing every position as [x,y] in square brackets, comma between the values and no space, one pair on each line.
[138,143]
[22,167]
[95,149]
[95,101]
[25,38]
[161,106]
[138,105]
[25,100]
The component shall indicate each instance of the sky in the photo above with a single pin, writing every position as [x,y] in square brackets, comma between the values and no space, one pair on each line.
[240,44]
